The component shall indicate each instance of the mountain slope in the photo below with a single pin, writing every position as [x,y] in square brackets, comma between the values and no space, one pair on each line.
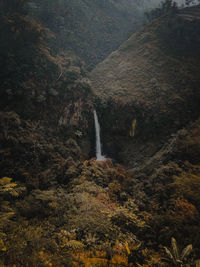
[58,207]
[90,29]
[152,79]
[147,98]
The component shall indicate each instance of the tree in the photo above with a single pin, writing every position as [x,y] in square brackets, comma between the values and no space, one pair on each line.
[189,2]
[167,6]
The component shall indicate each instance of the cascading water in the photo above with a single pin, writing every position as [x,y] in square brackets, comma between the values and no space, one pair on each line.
[99,156]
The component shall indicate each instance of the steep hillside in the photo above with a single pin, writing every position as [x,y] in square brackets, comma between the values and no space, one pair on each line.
[147,98]
[90,29]
[151,83]
[42,97]
[60,207]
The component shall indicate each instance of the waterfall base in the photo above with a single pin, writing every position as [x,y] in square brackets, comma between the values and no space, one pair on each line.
[100,158]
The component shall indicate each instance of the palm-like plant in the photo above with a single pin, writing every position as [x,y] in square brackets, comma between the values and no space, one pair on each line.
[173,254]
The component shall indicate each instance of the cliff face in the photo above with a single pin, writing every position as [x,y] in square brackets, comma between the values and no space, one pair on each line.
[152,85]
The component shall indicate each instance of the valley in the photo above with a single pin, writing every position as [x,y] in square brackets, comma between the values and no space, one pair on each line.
[100,140]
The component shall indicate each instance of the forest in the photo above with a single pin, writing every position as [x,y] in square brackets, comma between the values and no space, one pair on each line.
[100,133]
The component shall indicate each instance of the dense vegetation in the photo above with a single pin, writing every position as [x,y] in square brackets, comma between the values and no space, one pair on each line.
[58,205]
[87,28]
[180,37]
[167,7]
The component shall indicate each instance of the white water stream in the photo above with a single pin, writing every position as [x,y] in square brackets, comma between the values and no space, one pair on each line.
[99,155]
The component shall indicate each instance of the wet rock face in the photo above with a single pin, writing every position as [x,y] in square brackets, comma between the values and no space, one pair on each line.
[73,115]
[127,135]
[116,118]
[115,121]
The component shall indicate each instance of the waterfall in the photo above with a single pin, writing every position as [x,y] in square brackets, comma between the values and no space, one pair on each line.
[99,156]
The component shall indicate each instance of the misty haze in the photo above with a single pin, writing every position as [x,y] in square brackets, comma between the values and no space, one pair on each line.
[100,133]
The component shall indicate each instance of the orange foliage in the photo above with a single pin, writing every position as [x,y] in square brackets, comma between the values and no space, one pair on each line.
[116,173]
[86,163]
[116,260]
[119,260]
[113,189]
[106,164]
[45,257]
[185,209]
[96,262]
[104,199]
[119,170]
[119,256]
[87,258]
[121,173]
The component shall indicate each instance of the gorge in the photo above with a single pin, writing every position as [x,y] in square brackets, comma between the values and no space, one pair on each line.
[63,203]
